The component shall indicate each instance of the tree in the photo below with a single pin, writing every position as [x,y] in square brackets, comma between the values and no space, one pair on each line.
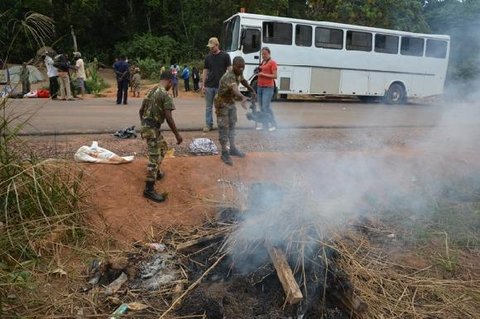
[403,15]
[33,30]
[460,20]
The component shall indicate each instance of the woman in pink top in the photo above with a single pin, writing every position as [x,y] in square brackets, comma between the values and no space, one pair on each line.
[265,88]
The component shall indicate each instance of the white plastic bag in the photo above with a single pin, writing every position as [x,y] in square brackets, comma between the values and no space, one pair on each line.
[203,146]
[97,154]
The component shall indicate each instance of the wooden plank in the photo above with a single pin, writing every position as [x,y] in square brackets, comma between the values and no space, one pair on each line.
[201,240]
[284,273]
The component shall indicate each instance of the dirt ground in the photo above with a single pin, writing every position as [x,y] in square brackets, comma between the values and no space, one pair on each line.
[199,185]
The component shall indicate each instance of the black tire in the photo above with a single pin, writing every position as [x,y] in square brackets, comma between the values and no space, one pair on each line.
[395,95]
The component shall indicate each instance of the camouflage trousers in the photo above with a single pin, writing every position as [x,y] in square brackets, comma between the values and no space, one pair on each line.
[226,121]
[157,148]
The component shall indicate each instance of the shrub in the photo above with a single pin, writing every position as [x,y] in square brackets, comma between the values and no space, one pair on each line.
[149,68]
[148,46]
[94,83]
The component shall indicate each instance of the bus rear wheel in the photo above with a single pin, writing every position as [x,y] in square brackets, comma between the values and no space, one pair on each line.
[396,94]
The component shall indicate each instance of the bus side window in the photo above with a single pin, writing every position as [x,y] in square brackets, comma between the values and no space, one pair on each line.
[303,35]
[359,41]
[412,46]
[436,49]
[251,40]
[386,43]
[277,33]
[328,38]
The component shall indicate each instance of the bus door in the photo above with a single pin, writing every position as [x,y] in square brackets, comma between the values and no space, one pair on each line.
[251,44]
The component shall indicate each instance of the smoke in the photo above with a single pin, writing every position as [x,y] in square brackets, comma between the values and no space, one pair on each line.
[463,78]
[322,190]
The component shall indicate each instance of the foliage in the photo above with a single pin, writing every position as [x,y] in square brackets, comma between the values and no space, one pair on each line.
[461,20]
[32,31]
[95,83]
[148,46]
[392,14]
[149,68]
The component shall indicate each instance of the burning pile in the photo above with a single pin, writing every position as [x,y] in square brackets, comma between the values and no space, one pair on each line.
[282,258]
[274,264]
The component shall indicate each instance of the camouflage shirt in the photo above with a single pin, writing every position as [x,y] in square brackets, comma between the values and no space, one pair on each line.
[154,105]
[225,93]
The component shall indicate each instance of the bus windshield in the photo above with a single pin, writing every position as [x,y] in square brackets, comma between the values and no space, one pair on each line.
[231,33]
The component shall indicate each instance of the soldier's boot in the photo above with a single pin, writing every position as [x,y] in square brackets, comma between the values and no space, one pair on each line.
[150,193]
[226,158]
[160,174]
[236,152]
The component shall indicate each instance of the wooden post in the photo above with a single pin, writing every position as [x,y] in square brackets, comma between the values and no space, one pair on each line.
[284,273]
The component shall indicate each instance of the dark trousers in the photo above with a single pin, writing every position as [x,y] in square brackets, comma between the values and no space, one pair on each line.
[53,86]
[186,84]
[195,85]
[122,91]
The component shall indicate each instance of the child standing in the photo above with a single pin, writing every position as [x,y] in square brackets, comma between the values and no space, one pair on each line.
[136,81]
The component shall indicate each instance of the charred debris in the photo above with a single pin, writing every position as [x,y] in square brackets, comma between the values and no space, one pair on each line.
[226,270]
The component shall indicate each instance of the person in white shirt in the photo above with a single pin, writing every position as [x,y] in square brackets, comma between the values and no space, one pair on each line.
[52,74]
[80,70]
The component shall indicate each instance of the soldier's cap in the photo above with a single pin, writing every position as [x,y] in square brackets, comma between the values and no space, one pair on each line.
[166,75]
[213,42]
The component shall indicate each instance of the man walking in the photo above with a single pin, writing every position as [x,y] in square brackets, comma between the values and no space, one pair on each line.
[226,110]
[123,77]
[216,64]
[52,74]
[80,70]
[186,78]
[156,108]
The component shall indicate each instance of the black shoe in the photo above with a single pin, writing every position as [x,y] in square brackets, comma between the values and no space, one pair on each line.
[236,152]
[160,175]
[150,193]
[226,158]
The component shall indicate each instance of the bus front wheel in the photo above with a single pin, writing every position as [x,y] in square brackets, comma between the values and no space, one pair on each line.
[396,94]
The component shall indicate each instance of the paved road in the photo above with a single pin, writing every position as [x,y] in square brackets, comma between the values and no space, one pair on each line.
[102,115]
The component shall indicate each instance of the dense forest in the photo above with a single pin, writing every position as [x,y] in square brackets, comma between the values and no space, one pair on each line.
[177,30]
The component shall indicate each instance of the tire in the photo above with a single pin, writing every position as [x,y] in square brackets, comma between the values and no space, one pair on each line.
[395,95]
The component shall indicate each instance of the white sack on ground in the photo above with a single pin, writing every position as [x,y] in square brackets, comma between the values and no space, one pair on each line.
[96,154]
[203,146]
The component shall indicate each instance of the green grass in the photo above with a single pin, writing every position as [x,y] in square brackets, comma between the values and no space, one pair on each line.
[41,204]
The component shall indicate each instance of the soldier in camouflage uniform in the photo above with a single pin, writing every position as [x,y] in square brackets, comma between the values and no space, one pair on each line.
[226,110]
[156,108]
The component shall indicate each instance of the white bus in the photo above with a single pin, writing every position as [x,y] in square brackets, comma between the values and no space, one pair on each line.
[326,58]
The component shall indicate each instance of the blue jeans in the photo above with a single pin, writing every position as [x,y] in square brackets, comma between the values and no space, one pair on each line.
[264,97]
[209,96]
